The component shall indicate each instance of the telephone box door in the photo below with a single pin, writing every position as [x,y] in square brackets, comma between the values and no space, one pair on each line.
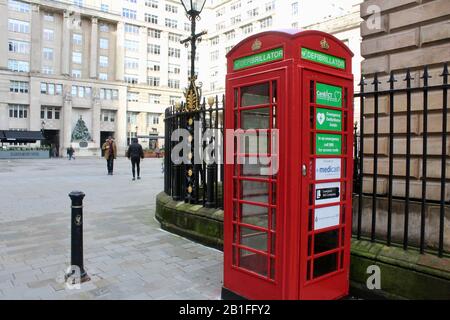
[327,114]
[253,256]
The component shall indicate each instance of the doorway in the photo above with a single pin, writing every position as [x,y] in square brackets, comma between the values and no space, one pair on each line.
[51,141]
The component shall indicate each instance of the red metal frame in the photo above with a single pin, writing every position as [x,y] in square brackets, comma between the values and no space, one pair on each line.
[292,77]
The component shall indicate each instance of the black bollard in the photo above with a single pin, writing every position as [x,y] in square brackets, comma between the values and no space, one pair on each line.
[77,234]
[210,186]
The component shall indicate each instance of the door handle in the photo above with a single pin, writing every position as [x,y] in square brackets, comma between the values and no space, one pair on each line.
[304,170]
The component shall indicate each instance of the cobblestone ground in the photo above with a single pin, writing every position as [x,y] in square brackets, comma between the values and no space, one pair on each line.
[126,254]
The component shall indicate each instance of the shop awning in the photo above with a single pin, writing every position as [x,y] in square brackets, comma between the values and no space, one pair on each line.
[20,136]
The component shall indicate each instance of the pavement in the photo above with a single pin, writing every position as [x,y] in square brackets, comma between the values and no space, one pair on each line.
[126,254]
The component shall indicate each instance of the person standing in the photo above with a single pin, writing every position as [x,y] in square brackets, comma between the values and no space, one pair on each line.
[110,149]
[135,153]
[70,152]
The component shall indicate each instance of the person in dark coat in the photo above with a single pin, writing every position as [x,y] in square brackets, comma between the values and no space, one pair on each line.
[135,153]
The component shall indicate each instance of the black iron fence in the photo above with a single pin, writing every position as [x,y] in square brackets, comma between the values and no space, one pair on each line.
[401,127]
[199,182]
[389,138]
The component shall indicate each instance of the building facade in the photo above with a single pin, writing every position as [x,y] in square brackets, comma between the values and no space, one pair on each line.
[115,65]
[230,21]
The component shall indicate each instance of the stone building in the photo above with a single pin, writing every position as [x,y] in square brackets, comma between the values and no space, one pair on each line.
[115,64]
[399,35]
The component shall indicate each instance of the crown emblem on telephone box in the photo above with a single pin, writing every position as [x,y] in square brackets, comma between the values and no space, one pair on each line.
[324,44]
[256,45]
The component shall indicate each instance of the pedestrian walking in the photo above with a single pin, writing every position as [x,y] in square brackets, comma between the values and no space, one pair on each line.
[158,152]
[70,153]
[110,149]
[135,153]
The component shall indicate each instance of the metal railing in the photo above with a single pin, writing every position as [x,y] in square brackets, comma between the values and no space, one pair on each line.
[392,94]
[203,184]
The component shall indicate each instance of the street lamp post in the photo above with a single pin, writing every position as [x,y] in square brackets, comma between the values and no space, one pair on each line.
[193,95]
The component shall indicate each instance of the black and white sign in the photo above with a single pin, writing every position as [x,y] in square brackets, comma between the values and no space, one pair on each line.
[328,193]
[326,217]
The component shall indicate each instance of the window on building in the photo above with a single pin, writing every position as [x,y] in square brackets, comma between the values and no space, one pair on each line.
[174,99]
[50,113]
[51,88]
[187,27]
[214,55]
[130,28]
[132,96]
[19,86]
[151,18]
[247,28]
[151,3]
[253,12]
[220,12]
[103,27]
[270,6]
[171,23]
[128,13]
[235,5]
[109,94]
[294,8]
[104,7]
[18,65]
[108,116]
[131,63]
[77,39]
[131,79]
[78,3]
[171,8]
[48,70]
[76,73]
[230,35]
[152,118]
[174,37]
[132,118]
[228,49]
[174,68]
[81,91]
[19,46]
[18,111]
[132,46]
[104,43]
[19,6]
[173,52]
[215,41]
[154,98]
[49,34]
[103,76]
[266,22]
[153,66]
[103,61]
[49,17]
[153,81]
[77,57]
[236,19]
[174,84]
[154,49]
[48,54]
[18,26]
[153,33]
[220,26]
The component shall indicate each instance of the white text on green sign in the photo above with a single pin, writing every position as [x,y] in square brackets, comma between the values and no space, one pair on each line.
[323,58]
[257,59]
[327,119]
[328,95]
[328,144]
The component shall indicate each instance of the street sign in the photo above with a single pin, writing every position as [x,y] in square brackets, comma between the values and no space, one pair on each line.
[327,119]
[328,144]
[328,95]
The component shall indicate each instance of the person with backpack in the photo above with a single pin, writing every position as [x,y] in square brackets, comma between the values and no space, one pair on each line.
[135,153]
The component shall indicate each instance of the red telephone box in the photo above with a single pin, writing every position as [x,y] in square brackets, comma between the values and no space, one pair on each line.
[288,196]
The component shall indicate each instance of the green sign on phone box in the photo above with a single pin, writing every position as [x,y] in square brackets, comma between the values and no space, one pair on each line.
[327,119]
[328,144]
[328,95]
